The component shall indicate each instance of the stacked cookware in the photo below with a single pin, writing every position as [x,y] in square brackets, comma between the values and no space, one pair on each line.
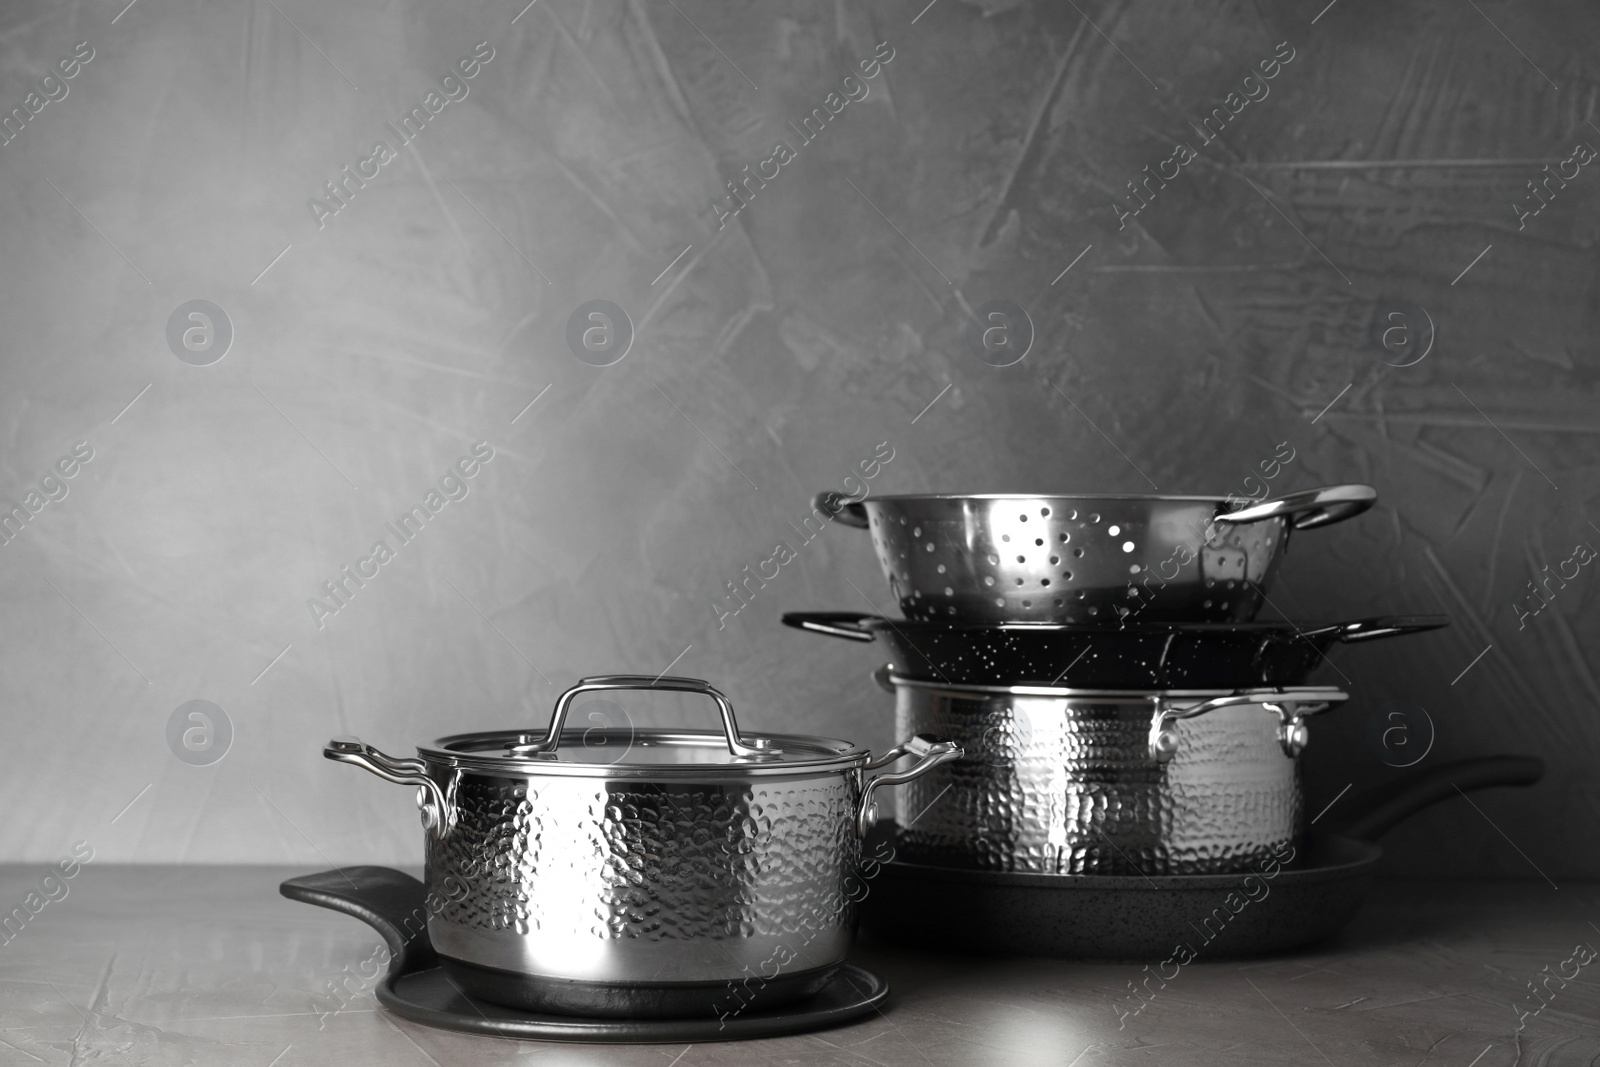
[1097,660]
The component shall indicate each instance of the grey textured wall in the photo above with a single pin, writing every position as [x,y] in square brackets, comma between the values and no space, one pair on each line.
[376,340]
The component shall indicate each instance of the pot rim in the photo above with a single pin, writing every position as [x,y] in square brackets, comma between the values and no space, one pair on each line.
[832,756]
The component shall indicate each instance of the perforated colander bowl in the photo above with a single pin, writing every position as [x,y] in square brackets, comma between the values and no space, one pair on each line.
[1007,558]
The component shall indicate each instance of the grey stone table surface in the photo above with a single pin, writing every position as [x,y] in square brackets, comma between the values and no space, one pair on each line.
[209,965]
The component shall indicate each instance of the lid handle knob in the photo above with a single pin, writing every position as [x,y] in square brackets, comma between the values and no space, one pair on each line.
[737,746]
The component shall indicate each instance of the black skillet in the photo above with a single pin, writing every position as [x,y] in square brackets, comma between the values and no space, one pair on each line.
[1133,917]
[1150,656]
[396,905]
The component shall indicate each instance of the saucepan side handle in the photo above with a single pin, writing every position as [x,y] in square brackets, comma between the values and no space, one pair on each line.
[849,512]
[1290,704]
[438,813]
[930,750]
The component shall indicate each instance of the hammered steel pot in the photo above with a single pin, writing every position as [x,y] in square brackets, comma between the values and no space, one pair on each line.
[1000,558]
[642,873]
[1070,781]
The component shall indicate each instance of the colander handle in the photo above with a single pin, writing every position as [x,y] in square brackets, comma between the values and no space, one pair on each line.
[835,506]
[1309,509]
[930,750]
[1290,704]
[609,682]
[438,814]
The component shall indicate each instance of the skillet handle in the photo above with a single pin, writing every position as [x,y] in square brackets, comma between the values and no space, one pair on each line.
[1311,508]
[1373,813]
[849,625]
[1389,626]
[838,506]
[393,903]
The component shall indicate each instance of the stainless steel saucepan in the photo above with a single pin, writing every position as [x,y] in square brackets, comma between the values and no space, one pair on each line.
[1074,781]
[999,558]
[633,872]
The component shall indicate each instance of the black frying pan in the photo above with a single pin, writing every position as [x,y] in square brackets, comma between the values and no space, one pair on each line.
[1133,917]
[396,905]
[1151,656]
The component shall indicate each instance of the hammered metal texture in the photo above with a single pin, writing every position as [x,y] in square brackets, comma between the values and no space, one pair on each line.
[614,880]
[1066,785]
[1072,559]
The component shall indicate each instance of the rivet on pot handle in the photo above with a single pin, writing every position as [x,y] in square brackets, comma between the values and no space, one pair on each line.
[838,506]
[1311,508]
[1291,705]
[884,676]
[931,751]
[438,814]
[1292,732]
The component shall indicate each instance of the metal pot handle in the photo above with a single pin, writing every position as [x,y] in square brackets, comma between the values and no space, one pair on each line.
[737,746]
[1311,508]
[1291,705]
[930,750]
[438,813]
[850,625]
[835,505]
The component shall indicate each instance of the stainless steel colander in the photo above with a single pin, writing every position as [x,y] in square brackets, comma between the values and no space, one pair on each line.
[1006,558]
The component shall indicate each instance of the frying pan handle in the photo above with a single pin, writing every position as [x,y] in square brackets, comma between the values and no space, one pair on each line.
[737,746]
[1373,813]
[930,750]
[1290,704]
[1311,508]
[393,903]
[849,625]
[438,814]
[837,506]
[1388,626]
